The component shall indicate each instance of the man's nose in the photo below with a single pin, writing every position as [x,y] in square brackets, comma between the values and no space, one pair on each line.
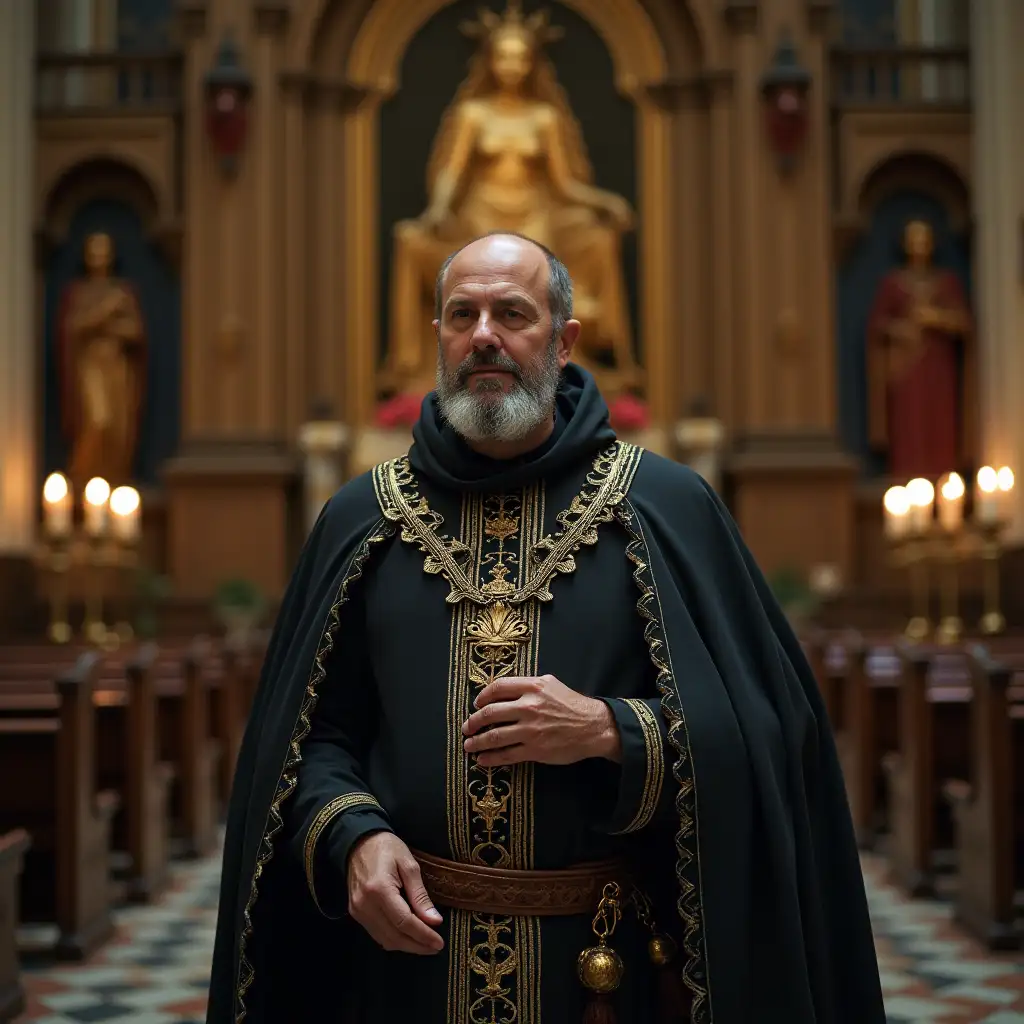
[484,333]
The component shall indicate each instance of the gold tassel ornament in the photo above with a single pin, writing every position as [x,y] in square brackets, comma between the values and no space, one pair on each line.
[674,1003]
[599,967]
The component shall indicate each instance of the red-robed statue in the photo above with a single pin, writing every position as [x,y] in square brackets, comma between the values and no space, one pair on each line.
[921,365]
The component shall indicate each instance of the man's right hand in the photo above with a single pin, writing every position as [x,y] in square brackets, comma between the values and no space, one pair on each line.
[387,897]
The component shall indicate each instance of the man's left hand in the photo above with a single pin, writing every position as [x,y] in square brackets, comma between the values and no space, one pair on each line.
[538,718]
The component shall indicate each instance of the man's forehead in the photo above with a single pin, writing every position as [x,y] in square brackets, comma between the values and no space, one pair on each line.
[506,264]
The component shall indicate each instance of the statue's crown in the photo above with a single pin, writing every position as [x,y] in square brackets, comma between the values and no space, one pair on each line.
[535,28]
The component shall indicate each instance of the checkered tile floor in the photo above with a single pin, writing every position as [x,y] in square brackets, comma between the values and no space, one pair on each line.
[156,969]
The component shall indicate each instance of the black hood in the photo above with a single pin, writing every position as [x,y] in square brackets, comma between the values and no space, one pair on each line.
[582,428]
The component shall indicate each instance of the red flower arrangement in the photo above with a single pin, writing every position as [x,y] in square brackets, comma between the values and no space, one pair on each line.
[629,412]
[401,410]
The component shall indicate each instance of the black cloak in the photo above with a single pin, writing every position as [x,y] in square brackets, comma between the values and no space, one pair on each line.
[768,885]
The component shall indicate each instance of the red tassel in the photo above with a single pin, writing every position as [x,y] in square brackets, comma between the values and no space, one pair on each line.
[599,1011]
[673,998]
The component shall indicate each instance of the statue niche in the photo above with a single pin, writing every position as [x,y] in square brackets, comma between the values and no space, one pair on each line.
[509,156]
[101,359]
[920,362]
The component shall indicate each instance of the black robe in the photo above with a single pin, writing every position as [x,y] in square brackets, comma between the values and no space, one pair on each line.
[621,574]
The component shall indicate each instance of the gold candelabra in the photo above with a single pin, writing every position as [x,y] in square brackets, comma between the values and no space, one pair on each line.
[84,560]
[926,530]
[992,621]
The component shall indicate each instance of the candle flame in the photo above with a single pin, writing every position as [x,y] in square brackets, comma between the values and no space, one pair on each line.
[953,488]
[988,479]
[124,501]
[55,489]
[921,492]
[97,491]
[1004,479]
[897,501]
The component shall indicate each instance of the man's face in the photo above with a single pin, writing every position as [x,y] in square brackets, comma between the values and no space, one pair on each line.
[499,359]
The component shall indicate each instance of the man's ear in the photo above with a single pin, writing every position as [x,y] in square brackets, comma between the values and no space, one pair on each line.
[567,341]
[437,328]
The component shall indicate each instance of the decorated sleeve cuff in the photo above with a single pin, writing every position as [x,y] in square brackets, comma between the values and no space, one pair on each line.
[642,771]
[331,836]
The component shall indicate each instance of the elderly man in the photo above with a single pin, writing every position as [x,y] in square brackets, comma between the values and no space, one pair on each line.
[533,741]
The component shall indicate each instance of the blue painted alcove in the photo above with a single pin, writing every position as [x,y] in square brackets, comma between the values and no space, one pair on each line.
[158,288]
[859,275]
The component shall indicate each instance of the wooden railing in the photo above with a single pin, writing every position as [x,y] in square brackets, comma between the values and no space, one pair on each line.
[901,76]
[92,83]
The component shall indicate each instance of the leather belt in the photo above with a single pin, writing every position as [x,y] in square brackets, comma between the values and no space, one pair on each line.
[502,891]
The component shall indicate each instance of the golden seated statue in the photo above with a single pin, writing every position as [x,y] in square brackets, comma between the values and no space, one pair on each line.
[509,156]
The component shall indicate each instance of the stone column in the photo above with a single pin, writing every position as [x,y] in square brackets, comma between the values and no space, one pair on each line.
[18,421]
[997,35]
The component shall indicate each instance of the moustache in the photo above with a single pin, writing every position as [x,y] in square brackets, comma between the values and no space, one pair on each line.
[488,361]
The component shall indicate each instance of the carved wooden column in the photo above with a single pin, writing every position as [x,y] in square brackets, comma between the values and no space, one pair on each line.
[295,97]
[726,401]
[231,488]
[997,32]
[793,487]
[18,418]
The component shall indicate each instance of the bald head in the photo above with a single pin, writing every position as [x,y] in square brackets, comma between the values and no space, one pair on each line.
[504,333]
[532,264]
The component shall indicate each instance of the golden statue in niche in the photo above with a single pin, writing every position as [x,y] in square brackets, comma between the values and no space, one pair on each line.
[509,156]
[101,358]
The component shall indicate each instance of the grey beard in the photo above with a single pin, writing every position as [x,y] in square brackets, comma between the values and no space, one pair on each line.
[489,413]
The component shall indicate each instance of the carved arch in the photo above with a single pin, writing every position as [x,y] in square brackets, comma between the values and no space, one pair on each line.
[628,28]
[379,41]
[104,177]
[102,174]
[919,169]
[376,55]
[920,172]
[862,171]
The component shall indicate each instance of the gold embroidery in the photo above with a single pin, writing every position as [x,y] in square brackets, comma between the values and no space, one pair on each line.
[499,570]
[655,765]
[606,487]
[690,904]
[493,965]
[327,814]
[288,778]
[493,960]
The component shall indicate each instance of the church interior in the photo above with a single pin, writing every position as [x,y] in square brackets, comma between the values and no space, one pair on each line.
[796,234]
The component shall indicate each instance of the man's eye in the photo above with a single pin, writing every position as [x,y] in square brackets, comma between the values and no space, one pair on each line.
[513,313]
[459,312]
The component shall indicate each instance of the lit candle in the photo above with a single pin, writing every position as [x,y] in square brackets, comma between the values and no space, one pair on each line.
[922,496]
[57,505]
[1004,481]
[897,506]
[125,506]
[951,507]
[97,493]
[986,500]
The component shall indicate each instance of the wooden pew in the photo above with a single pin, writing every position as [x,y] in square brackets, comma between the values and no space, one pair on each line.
[12,851]
[231,709]
[934,745]
[147,780]
[126,756]
[187,742]
[988,811]
[183,682]
[66,876]
[864,677]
